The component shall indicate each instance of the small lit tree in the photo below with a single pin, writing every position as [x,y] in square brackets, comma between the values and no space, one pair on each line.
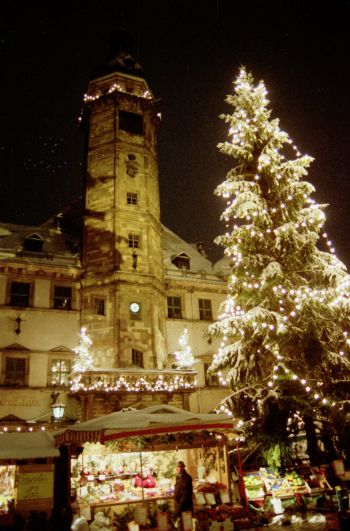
[286,319]
[184,356]
[83,361]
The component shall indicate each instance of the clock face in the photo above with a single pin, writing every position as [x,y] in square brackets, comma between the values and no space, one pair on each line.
[134,307]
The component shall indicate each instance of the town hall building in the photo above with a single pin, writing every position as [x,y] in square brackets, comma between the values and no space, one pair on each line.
[109,265]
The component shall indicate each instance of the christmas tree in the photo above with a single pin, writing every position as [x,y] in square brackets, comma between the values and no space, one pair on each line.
[285,321]
[184,356]
[83,361]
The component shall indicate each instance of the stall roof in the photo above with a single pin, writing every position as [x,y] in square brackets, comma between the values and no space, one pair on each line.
[148,421]
[27,445]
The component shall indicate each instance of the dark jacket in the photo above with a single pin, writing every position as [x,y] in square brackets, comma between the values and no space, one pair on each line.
[183,493]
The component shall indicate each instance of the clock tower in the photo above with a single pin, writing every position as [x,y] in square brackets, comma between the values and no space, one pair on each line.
[123,297]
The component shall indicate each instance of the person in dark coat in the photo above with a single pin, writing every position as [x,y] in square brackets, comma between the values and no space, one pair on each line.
[183,490]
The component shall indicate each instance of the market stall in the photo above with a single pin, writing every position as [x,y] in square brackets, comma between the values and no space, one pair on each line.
[299,487]
[129,458]
[26,473]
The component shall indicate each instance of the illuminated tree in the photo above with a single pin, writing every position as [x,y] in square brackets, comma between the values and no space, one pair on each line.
[184,356]
[285,321]
[83,361]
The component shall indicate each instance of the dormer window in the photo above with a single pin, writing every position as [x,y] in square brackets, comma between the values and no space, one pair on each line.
[33,243]
[182,261]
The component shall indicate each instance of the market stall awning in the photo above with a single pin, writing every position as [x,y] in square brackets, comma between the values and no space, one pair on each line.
[148,421]
[27,446]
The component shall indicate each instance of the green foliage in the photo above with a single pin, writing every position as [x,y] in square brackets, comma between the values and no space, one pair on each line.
[286,316]
[273,457]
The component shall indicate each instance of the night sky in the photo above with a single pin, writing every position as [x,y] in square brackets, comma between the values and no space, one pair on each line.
[191,52]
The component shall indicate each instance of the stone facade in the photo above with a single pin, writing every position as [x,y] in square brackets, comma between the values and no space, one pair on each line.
[132,283]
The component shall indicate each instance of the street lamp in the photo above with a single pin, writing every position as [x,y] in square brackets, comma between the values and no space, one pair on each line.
[57,410]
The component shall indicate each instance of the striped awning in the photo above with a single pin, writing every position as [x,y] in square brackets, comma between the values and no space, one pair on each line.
[78,437]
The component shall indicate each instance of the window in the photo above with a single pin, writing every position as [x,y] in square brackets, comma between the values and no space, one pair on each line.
[134,241]
[33,243]
[20,292]
[182,261]
[211,380]
[137,358]
[174,308]
[15,371]
[62,299]
[131,198]
[205,311]
[60,370]
[99,307]
[131,122]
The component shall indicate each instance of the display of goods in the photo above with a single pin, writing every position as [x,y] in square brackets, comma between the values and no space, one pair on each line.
[211,487]
[282,485]
[254,485]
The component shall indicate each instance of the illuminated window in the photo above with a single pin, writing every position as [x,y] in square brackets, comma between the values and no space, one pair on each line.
[131,198]
[137,358]
[99,307]
[62,299]
[205,311]
[19,295]
[174,308]
[131,122]
[134,241]
[60,370]
[15,371]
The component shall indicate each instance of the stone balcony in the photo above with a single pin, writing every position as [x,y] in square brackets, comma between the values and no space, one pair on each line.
[101,391]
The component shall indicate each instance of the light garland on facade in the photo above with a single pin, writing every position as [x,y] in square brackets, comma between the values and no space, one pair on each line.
[117,87]
[22,429]
[121,384]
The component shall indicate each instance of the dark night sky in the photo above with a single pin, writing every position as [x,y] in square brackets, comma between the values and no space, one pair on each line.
[191,52]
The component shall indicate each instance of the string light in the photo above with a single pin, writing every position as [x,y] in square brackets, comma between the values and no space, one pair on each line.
[132,385]
[269,213]
[184,356]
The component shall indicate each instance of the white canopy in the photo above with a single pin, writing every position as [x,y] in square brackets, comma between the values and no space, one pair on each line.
[27,445]
[148,421]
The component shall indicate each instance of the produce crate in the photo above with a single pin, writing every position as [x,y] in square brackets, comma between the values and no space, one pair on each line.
[254,485]
[317,485]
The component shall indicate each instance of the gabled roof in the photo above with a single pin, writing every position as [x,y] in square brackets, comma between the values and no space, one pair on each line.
[174,246]
[56,243]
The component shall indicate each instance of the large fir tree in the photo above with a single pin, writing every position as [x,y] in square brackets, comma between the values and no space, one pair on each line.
[285,321]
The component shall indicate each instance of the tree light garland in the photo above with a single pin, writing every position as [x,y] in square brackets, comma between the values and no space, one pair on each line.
[184,356]
[287,300]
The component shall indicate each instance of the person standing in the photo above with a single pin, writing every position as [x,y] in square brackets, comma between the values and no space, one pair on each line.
[183,492]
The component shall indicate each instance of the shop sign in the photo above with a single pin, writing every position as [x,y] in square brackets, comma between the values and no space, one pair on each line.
[141,514]
[35,486]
